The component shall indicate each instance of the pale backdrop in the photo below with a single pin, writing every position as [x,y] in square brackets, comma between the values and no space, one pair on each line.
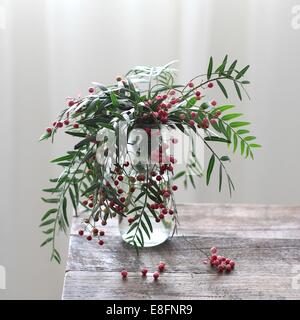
[55,48]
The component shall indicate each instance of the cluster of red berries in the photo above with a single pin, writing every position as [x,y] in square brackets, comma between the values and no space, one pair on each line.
[94,233]
[144,271]
[219,262]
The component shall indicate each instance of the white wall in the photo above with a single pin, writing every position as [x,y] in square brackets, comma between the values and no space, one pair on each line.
[55,48]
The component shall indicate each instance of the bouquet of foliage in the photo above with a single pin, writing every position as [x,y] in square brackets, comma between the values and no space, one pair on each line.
[110,177]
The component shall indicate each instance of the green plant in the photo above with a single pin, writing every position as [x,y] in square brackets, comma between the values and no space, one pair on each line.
[148,98]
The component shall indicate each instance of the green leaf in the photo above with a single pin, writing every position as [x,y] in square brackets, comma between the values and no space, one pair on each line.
[192,181]
[242,131]
[242,147]
[114,99]
[76,134]
[56,200]
[44,136]
[239,124]
[135,209]
[235,142]
[48,213]
[231,68]
[255,145]
[210,67]
[217,139]
[221,68]
[238,91]
[210,168]
[225,158]
[220,177]
[64,208]
[249,138]
[219,83]
[231,116]
[73,200]
[46,223]
[223,108]
[148,221]
[145,229]
[179,175]
[63,158]
[46,241]
[49,231]
[242,72]
[52,190]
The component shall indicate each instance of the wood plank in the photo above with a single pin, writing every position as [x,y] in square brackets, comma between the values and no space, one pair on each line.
[174,286]
[264,241]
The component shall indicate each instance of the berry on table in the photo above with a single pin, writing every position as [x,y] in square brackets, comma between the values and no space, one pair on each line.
[213,250]
[91,90]
[161,266]
[124,274]
[210,85]
[156,275]
[101,233]
[144,272]
[89,238]
[101,242]
[81,232]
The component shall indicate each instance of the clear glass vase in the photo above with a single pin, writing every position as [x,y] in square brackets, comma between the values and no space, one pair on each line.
[153,225]
[162,231]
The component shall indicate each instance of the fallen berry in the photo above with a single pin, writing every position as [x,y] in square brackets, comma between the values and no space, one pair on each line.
[213,250]
[144,272]
[156,275]
[161,267]
[101,242]
[124,274]
[81,232]
[89,238]
[101,233]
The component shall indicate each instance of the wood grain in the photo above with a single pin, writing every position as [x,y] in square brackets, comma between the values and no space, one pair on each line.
[264,240]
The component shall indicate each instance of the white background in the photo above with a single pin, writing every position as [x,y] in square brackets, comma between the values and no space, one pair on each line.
[55,48]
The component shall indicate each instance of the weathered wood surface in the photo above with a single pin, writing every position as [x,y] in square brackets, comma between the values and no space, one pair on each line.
[264,241]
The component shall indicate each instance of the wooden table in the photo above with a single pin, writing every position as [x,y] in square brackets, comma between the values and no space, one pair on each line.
[263,240]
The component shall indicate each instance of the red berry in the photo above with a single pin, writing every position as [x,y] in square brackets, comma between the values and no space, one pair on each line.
[91,204]
[76,125]
[120,191]
[161,216]
[213,121]
[122,199]
[132,189]
[182,116]
[91,90]
[130,220]
[227,261]
[218,113]
[81,232]
[124,274]
[193,114]
[171,212]
[161,267]
[66,122]
[144,272]
[198,93]
[164,211]
[157,220]
[174,188]
[210,85]
[190,84]
[214,103]
[213,250]
[174,140]
[126,164]
[213,257]
[85,202]
[166,194]
[156,275]
[120,178]
[71,103]
[220,268]
[158,178]
[95,231]
[192,123]
[232,264]
[103,222]
[49,130]
[101,242]
[89,238]
[116,182]
[101,233]
[228,268]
